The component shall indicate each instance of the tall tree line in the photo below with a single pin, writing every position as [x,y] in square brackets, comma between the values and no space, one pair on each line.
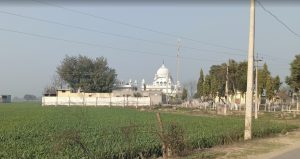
[294,79]
[213,84]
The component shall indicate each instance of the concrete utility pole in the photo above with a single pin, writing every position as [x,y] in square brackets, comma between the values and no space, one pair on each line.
[226,88]
[249,93]
[298,101]
[256,87]
[177,64]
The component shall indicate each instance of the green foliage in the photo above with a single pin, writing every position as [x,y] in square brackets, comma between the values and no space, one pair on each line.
[30,97]
[276,83]
[174,135]
[91,75]
[215,81]
[184,94]
[218,78]
[200,85]
[241,77]
[30,131]
[214,86]
[269,88]
[294,79]
[268,83]
[263,76]
[233,76]
[206,87]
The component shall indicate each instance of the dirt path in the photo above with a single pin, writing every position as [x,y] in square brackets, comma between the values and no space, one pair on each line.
[290,142]
[266,148]
[263,148]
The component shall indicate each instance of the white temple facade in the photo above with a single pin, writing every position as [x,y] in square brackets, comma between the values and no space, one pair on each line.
[163,82]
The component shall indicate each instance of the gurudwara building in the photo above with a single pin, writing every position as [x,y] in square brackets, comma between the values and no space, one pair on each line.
[163,82]
[124,94]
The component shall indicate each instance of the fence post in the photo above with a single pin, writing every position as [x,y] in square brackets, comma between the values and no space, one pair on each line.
[137,102]
[56,100]
[109,100]
[127,100]
[298,102]
[96,101]
[123,101]
[69,100]
[82,100]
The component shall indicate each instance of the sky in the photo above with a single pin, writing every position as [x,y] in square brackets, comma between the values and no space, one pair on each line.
[137,37]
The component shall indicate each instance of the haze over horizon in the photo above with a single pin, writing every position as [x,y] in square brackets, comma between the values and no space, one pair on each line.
[35,38]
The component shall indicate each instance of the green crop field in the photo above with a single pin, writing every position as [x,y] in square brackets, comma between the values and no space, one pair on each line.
[28,130]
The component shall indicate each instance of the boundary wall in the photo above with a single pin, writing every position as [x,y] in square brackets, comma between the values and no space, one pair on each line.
[96,101]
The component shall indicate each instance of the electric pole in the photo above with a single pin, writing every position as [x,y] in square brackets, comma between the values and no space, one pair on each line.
[177,64]
[249,93]
[256,87]
[226,88]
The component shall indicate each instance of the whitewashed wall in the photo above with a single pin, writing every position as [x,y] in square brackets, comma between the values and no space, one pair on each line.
[96,101]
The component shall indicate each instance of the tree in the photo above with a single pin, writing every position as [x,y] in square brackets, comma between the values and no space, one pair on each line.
[218,79]
[200,84]
[184,94]
[191,87]
[214,87]
[270,88]
[56,83]
[89,75]
[215,82]
[206,86]
[283,94]
[276,83]
[49,90]
[241,77]
[294,79]
[263,76]
[233,76]
[30,97]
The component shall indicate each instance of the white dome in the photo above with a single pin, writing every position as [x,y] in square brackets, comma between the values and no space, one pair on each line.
[162,71]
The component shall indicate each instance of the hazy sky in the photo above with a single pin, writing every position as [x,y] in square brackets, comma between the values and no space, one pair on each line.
[27,63]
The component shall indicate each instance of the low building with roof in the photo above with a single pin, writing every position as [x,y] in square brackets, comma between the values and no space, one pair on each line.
[5,99]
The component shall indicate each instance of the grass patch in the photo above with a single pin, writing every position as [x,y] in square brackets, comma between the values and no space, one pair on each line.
[28,130]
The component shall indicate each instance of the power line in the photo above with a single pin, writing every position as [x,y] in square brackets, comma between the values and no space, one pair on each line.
[154,31]
[99,45]
[111,34]
[137,27]
[119,35]
[114,34]
[278,20]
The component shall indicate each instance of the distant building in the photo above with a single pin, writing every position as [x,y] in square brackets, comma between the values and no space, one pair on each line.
[123,93]
[163,82]
[125,89]
[5,99]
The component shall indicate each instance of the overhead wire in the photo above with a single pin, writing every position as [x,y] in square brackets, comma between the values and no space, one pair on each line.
[113,34]
[289,29]
[100,45]
[127,24]
[149,29]
[278,19]
[136,26]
